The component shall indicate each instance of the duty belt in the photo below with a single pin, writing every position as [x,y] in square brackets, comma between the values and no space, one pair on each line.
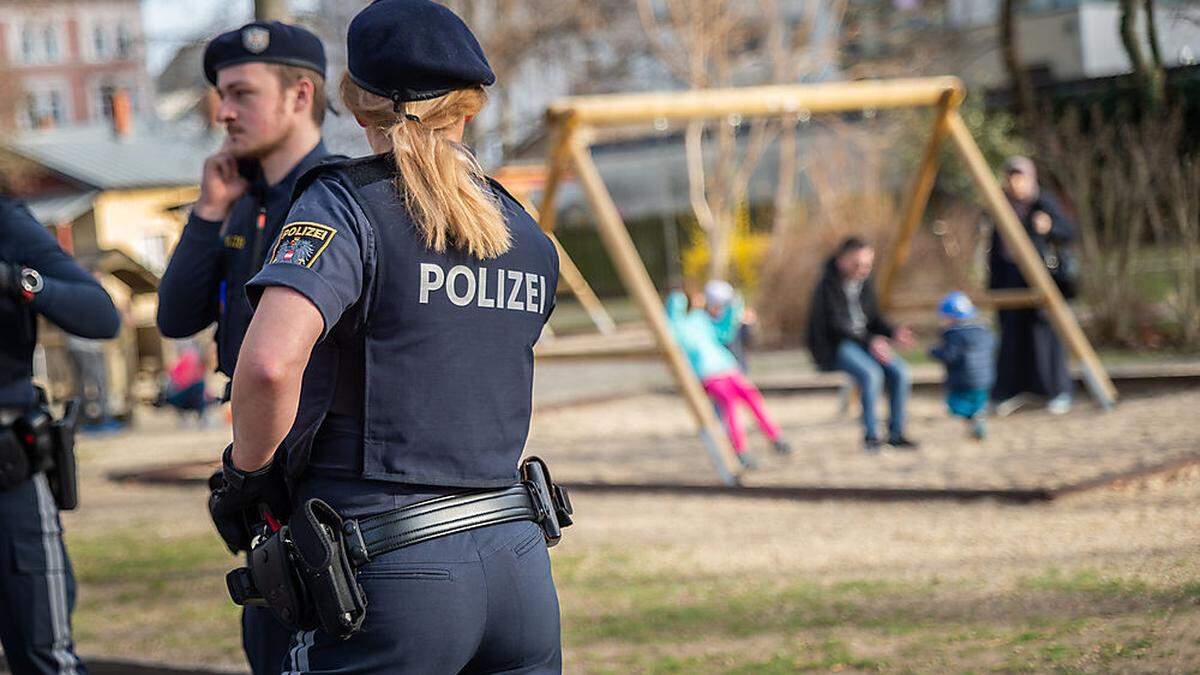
[376,535]
[304,572]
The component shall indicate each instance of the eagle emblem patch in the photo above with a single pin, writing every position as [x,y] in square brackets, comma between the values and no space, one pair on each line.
[256,39]
[302,243]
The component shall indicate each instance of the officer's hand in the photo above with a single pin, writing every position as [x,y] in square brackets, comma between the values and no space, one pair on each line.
[220,186]
[228,512]
[10,280]
[237,498]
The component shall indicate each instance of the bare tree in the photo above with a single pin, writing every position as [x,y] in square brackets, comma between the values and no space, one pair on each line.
[515,34]
[794,49]
[1018,78]
[707,43]
[271,10]
[1148,73]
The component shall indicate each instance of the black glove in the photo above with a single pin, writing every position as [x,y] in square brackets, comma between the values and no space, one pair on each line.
[237,499]
[10,280]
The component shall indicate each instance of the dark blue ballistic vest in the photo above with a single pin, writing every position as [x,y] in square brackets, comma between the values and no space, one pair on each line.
[437,355]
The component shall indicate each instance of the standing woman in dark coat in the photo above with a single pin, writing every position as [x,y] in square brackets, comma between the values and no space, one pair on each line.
[1032,359]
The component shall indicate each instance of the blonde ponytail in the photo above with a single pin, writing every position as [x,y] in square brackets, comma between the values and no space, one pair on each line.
[443,185]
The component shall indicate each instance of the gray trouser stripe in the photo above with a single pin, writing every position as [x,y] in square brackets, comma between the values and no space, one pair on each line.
[56,581]
[299,654]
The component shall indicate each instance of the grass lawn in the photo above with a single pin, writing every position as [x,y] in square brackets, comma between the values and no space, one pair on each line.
[162,597]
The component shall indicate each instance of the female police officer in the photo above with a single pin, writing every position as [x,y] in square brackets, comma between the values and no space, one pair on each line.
[409,290]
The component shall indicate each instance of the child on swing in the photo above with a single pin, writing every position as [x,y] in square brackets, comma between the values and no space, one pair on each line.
[718,371]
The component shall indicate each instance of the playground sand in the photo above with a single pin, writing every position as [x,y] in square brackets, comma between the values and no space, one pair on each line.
[651,438]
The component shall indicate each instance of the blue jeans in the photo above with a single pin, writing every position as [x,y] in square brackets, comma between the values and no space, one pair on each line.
[871,377]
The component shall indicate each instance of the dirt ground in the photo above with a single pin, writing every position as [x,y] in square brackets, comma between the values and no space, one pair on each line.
[1104,581]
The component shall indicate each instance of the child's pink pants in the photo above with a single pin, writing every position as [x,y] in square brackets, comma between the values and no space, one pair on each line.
[728,389]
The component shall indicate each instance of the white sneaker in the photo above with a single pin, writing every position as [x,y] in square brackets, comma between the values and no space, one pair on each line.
[1059,405]
[1011,405]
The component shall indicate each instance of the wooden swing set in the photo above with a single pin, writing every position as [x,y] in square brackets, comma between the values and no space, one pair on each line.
[572,122]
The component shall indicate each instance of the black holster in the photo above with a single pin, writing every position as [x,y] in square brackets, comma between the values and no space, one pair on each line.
[303,575]
[552,502]
[37,442]
[14,460]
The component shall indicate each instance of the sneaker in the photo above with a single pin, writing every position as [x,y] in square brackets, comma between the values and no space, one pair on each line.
[872,444]
[978,427]
[1010,405]
[902,443]
[782,447]
[1059,405]
[747,461]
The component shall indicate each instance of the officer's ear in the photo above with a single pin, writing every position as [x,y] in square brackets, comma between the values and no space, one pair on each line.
[304,93]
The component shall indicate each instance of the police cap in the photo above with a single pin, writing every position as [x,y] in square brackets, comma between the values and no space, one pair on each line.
[414,50]
[265,42]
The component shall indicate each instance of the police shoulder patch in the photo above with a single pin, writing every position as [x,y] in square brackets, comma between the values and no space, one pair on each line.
[301,243]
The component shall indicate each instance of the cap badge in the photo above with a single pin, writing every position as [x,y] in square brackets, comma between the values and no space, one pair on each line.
[256,39]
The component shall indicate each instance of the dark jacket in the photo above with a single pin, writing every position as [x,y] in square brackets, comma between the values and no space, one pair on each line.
[829,317]
[71,299]
[206,277]
[969,352]
[1003,270]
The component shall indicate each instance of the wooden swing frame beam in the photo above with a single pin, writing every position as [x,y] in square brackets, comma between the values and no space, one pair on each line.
[571,121]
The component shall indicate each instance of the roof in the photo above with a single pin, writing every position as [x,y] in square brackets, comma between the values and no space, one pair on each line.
[126,270]
[154,154]
[62,208]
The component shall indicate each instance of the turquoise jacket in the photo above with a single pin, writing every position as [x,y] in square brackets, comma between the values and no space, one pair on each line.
[729,323]
[697,336]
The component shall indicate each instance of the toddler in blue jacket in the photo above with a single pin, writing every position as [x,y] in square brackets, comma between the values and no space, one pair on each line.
[967,349]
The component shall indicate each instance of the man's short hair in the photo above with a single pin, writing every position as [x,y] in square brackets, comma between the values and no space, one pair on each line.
[851,244]
[289,75]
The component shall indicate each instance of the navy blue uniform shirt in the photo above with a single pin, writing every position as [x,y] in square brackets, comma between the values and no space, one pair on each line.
[71,299]
[205,280]
[449,337]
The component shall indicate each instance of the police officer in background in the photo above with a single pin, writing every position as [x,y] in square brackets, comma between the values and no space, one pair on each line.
[37,586]
[391,358]
[271,80]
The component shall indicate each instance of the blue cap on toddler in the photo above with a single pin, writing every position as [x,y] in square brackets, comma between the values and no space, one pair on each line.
[956,305]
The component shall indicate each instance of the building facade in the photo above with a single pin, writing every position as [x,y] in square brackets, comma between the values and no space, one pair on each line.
[61,61]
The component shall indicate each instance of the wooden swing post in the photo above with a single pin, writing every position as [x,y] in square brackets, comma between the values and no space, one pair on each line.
[918,198]
[633,274]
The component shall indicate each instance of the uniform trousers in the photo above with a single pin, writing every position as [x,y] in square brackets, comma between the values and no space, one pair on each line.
[37,585]
[481,601]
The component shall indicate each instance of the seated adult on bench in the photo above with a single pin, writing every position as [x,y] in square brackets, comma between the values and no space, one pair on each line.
[847,332]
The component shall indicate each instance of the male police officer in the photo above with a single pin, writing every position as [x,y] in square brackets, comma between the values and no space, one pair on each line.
[37,587]
[271,80]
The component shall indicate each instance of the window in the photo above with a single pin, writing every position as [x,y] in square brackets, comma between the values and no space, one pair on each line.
[100,41]
[27,44]
[56,107]
[44,108]
[153,250]
[50,42]
[124,42]
[102,101]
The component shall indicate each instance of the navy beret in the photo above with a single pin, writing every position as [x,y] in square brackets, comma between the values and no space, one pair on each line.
[265,42]
[413,50]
